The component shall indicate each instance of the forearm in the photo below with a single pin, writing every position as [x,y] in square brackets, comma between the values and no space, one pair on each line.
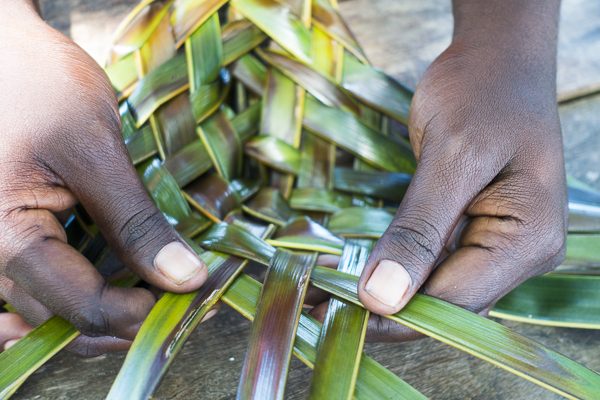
[527,24]
[20,23]
[15,10]
[517,35]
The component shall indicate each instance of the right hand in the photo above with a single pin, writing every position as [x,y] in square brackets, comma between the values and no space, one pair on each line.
[61,144]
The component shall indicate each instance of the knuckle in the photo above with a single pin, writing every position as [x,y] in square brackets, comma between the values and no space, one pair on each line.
[88,314]
[22,232]
[545,234]
[556,243]
[84,347]
[143,227]
[422,243]
[90,320]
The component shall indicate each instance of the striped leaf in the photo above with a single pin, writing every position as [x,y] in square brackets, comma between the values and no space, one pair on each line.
[564,300]
[278,21]
[32,351]
[345,130]
[305,234]
[343,334]
[265,368]
[167,327]
[373,382]
[360,222]
[479,337]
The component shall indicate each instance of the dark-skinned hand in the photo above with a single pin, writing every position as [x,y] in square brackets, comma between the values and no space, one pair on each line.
[487,206]
[61,145]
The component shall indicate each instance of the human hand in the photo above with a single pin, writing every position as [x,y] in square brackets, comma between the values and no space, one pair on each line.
[13,328]
[487,206]
[61,145]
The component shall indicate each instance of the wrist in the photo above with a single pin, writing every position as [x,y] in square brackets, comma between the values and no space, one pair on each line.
[523,30]
[21,26]
[508,72]
[18,13]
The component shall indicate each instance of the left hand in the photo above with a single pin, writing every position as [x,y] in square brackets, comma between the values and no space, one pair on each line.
[487,206]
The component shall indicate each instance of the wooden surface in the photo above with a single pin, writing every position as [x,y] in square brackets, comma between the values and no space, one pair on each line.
[401,37]
[210,364]
[580,122]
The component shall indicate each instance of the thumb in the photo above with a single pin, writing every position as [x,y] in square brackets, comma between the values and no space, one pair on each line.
[111,192]
[408,250]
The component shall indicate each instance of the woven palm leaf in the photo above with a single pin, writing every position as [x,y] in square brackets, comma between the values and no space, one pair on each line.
[264,135]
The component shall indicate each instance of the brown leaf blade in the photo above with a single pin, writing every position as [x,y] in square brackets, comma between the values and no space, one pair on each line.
[272,336]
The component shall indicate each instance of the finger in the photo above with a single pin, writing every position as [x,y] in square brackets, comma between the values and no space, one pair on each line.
[458,280]
[508,239]
[37,314]
[315,295]
[496,255]
[12,327]
[66,283]
[407,252]
[86,346]
[31,310]
[102,177]
[319,311]
[453,281]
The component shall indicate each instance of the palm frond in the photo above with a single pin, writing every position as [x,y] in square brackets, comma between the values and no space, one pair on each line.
[263,134]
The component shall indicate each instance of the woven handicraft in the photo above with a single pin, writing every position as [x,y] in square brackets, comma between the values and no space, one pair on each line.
[264,135]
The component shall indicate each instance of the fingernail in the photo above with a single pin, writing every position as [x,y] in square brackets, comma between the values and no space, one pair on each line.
[209,315]
[388,283]
[177,262]
[10,343]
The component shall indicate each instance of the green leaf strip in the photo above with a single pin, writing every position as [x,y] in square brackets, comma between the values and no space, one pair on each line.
[343,334]
[479,337]
[167,327]
[238,241]
[278,22]
[563,300]
[265,368]
[374,381]
[360,222]
[31,352]
[349,133]
[376,89]
[583,248]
